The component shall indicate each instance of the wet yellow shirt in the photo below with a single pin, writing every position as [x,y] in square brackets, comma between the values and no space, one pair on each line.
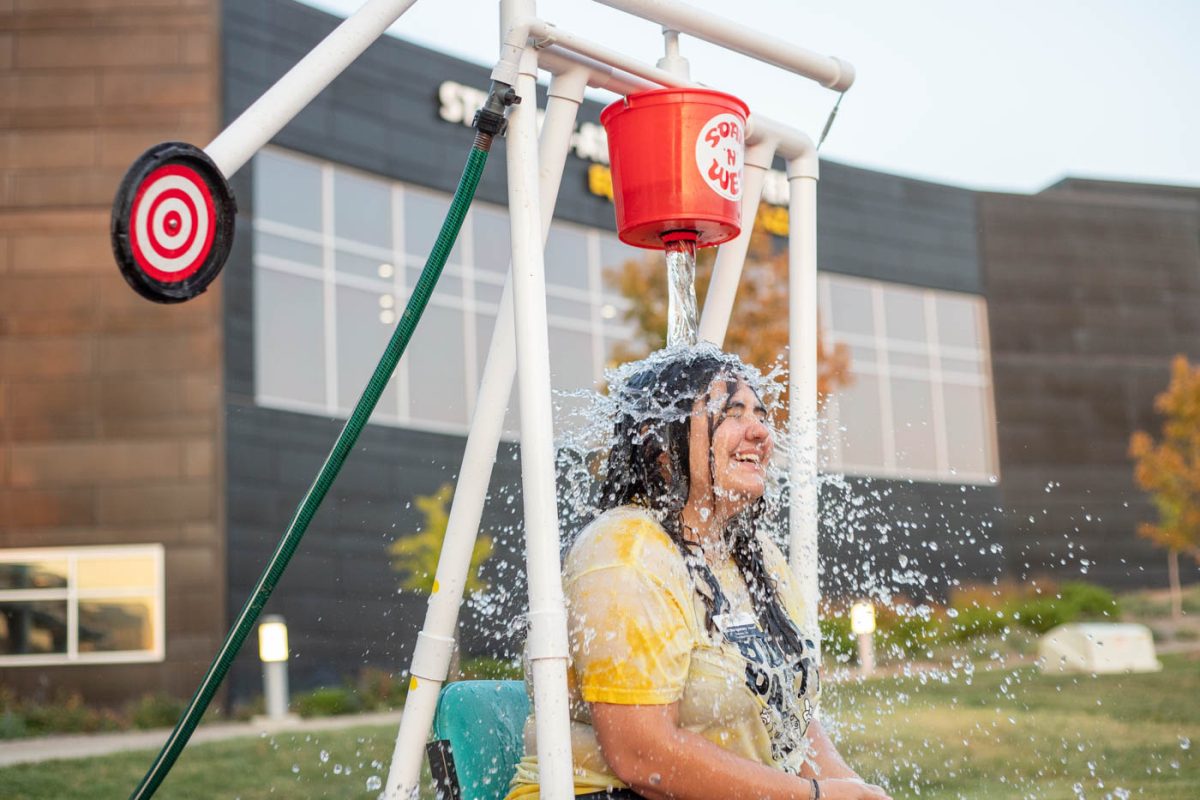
[638,636]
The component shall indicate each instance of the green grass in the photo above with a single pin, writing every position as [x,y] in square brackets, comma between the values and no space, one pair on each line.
[990,735]
[333,764]
[1019,733]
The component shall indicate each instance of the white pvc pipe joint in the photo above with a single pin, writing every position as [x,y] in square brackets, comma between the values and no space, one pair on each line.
[831,72]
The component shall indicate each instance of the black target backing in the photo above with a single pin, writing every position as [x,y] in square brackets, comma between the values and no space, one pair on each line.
[172,222]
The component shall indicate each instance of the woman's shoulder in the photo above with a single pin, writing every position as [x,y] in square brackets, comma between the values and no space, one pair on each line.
[623,536]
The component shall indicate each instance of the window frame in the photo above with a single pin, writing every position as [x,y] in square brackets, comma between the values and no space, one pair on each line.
[72,594]
[596,296]
[934,375]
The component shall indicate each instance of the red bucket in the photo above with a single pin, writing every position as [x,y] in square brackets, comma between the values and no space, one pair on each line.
[677,164]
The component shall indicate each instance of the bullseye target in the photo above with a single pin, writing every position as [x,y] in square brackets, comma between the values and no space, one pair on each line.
[172,225]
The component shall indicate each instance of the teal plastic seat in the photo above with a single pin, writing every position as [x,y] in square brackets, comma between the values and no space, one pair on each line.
[478,731]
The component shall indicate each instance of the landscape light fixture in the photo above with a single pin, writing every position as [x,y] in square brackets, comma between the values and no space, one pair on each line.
[273,652]
[862,623]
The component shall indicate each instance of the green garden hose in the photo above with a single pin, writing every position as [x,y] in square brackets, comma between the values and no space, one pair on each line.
[463,196]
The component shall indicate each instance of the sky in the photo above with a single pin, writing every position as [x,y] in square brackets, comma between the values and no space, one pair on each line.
[1003,96]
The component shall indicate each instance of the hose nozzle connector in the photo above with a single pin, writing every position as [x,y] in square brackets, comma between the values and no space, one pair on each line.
[489,120]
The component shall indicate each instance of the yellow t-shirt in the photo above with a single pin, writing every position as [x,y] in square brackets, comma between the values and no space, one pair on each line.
[638,636]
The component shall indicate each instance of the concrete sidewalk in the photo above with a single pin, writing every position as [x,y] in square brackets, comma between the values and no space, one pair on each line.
[47,748]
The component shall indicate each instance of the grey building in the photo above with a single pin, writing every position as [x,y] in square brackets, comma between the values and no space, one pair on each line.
[1003,348]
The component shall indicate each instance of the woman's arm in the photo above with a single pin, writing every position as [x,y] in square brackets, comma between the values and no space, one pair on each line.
[648,751]
[828,762]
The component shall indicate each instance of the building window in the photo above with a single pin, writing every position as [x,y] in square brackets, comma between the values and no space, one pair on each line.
[83,605]
[337,253]
[919,404]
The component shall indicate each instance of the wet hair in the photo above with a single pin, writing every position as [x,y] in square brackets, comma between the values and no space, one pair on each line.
[648,466]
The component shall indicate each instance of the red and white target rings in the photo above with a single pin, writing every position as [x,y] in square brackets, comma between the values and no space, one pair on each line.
[172,223]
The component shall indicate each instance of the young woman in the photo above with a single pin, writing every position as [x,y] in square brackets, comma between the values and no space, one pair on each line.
[689,676]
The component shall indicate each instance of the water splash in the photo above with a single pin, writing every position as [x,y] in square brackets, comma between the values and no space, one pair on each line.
[682,320]
[584,441]
[879,541]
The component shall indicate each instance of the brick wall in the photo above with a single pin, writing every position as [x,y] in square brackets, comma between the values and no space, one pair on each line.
[110,424]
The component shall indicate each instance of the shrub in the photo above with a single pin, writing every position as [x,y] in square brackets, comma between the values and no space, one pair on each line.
[381,690]
[995,596]
[837,640]
[975,621]
[12,725]
[327,702]
[8,699]
[155,711]
[66,713]
[1089,599]
[908,630]
[1043,613]
[1074,600]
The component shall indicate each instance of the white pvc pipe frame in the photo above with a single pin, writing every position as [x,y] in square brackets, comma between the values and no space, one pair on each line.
[576,63]
[533,184]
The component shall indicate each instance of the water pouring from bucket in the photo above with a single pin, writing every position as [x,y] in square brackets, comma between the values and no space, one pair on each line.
[677,157]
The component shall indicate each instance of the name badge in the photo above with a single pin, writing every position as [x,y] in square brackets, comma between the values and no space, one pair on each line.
[740,619]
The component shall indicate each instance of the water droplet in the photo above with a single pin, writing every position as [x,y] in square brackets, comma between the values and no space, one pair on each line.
[374,783]
[1184,743]
[324,756]
[295,769]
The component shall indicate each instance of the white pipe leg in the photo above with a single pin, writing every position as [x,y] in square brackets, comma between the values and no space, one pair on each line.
[235,145]
[547,645]
[430,666]
[564,97]
[731,256]
[802,380]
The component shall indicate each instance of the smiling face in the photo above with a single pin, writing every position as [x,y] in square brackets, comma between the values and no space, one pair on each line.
[740,445]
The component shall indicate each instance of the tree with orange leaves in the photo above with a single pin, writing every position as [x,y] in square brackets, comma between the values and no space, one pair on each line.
[1169,470]
[758,328]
